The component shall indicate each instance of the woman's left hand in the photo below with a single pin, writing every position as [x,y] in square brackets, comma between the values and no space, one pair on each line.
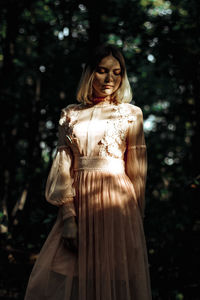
[70,234]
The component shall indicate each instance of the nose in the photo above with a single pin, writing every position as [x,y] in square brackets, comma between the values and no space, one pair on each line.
[108,77]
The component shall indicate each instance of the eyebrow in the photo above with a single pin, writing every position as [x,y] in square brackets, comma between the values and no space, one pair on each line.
[107,68]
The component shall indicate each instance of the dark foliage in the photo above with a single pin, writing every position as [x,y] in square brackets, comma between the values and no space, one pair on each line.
[43,45]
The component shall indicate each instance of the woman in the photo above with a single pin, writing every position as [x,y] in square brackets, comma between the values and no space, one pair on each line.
[96,249]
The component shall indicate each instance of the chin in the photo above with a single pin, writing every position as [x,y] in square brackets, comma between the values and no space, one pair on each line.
[107,92]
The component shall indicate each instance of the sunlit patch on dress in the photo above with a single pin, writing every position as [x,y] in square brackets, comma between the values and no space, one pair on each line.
[114,141]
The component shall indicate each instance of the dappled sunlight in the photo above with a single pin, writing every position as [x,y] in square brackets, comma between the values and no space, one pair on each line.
[43,46]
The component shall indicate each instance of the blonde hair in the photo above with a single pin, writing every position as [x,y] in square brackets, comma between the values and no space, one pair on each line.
[85,87]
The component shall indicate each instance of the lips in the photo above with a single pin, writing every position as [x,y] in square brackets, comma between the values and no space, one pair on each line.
[108,86]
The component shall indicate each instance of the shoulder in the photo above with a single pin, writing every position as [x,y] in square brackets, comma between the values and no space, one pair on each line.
[133,108]
[69,108]
[66,113]
[131,111]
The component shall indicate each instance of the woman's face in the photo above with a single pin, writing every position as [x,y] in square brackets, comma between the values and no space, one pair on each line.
[107,77]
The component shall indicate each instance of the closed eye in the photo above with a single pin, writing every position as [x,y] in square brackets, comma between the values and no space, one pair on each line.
[117,72]
[101,70]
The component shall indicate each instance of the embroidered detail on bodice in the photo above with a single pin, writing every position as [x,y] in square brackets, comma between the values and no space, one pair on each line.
[114,141]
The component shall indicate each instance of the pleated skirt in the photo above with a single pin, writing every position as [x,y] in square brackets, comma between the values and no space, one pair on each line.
[111,263]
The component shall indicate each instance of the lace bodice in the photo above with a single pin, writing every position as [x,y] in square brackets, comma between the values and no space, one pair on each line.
[98,130]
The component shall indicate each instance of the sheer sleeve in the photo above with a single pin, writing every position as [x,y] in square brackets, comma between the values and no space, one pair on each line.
[136,158]
[59,186]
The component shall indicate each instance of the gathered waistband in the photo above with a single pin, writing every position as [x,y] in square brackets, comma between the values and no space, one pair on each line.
[110,164]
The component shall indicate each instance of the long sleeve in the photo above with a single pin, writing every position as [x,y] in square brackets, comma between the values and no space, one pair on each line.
[59,186]
[136,158]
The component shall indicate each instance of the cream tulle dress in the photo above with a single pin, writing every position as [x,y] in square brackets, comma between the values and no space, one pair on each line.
[98,175]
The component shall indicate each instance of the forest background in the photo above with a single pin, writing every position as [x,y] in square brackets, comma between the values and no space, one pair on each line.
[43,47]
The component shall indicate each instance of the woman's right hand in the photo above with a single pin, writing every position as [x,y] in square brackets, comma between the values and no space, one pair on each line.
[70,234]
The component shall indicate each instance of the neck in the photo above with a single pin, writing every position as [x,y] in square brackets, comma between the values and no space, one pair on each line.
[102,99]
